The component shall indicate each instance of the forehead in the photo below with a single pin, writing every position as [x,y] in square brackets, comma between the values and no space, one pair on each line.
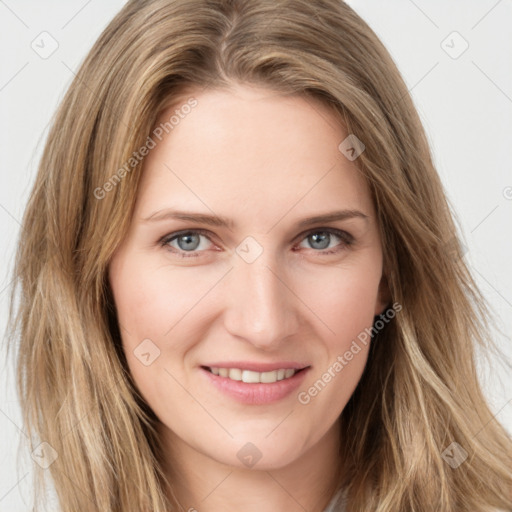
[252,149]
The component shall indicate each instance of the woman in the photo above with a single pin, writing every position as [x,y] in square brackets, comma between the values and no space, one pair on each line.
[185,344]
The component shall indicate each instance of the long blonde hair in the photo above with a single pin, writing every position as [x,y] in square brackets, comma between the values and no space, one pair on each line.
[419,392]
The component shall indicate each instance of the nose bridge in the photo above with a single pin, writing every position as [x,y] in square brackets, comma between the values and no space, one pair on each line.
[261,307]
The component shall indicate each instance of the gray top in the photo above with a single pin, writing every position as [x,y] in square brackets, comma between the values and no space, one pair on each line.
[338,502]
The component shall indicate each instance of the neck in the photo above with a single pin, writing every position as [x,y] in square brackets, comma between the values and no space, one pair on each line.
[202,484]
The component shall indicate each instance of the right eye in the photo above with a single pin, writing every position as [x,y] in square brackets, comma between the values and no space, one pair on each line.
[185,242]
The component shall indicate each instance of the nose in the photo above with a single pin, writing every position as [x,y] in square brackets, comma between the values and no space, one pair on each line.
[260,305]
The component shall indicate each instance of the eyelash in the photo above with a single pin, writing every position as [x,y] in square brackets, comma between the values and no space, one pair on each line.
[346,241]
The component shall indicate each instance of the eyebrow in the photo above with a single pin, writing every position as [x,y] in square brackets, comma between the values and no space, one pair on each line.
[219,221]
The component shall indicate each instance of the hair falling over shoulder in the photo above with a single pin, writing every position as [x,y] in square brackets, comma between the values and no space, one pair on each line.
[419,392]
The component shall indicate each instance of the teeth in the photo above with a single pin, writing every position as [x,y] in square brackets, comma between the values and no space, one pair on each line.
[252,377]
[249,376]
[235,374]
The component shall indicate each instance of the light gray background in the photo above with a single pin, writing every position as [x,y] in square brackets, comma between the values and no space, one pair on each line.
[465,104]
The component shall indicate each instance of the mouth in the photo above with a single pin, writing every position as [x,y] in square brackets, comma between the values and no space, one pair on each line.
[253,377]
[252,387]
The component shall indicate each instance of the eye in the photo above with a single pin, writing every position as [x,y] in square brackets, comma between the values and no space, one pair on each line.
[188,244]
[323,237]
[185,242]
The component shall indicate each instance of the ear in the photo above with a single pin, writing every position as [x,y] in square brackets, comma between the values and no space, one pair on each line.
[383,296]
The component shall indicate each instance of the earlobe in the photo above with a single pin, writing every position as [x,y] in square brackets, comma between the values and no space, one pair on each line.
[383,296]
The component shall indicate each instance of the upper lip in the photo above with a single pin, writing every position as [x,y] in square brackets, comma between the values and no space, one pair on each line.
[257,367]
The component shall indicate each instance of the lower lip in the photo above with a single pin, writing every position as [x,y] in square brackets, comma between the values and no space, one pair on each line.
[256,393]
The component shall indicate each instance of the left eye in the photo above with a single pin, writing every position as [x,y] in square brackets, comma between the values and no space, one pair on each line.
[190,241]
[322,239]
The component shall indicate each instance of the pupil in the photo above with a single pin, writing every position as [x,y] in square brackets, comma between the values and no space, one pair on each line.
[323,239]
[187,239]
[190,241]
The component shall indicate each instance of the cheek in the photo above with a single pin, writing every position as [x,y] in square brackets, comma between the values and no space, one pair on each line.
[157,308]
[343,298]
[151,299]
[344,301]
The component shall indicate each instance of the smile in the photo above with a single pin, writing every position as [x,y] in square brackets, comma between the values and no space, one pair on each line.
[254,388]
[249,376]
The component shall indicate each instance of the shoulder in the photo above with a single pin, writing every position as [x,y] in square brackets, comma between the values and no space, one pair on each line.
[338,502]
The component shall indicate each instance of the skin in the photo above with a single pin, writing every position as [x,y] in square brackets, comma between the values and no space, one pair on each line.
[265,161]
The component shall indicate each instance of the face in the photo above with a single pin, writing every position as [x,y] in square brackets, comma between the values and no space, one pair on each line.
[224,266]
